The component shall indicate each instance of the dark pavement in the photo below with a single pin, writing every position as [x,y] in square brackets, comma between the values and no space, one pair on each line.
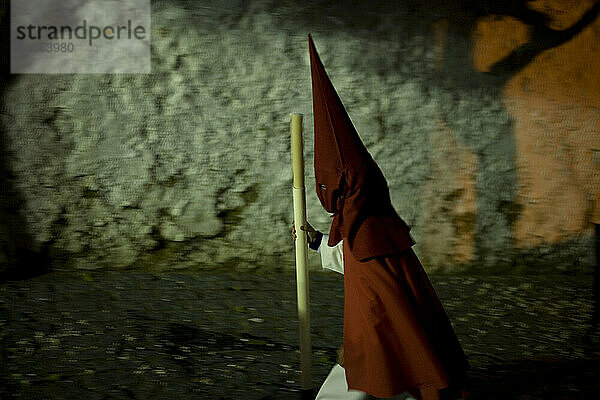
[136,335]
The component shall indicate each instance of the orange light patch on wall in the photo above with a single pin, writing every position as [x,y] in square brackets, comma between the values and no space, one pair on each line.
[557,175]
[555,105]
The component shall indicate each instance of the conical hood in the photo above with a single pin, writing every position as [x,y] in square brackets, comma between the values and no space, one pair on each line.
[349,183]
[335,128]
[338,148]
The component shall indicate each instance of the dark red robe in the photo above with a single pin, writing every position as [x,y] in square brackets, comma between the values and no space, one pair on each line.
[397,336]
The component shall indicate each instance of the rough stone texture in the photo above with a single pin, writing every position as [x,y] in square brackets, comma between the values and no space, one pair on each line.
[189,166]
[451,200]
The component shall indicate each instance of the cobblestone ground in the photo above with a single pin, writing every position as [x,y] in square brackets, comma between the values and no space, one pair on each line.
[134,335]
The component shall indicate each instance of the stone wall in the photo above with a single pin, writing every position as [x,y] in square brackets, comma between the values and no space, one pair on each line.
[486,130]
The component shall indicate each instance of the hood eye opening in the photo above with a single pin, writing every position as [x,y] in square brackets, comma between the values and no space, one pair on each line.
[322,187]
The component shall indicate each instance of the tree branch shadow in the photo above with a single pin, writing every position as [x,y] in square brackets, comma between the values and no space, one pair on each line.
[542,38]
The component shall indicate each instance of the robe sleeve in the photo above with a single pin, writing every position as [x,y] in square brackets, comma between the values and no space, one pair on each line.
[331,257]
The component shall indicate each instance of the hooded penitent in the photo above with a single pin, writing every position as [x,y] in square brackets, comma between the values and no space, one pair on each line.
[397,336]
[349,182]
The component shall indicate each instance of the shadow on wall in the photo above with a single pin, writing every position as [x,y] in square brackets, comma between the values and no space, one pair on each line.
[542,38]
[18,260]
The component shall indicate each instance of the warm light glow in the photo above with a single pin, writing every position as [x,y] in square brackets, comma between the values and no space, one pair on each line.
[555,108]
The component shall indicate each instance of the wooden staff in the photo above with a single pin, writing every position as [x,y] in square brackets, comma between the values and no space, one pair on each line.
[301,250]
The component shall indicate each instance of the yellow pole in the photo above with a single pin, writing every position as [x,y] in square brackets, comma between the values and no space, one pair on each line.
[301,250]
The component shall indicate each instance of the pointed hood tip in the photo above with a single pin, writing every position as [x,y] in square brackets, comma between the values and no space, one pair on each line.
[311,44]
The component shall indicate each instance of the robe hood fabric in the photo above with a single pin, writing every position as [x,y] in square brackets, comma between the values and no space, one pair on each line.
[349,183]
